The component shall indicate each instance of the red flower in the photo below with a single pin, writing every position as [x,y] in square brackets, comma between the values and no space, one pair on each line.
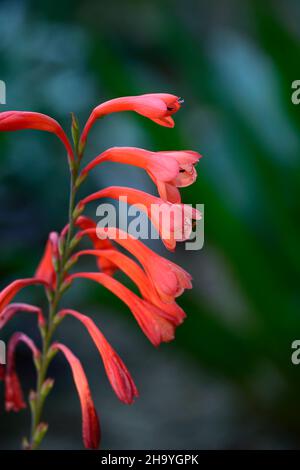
[7,294]
[169,279]
[9,311]
[168,170]
[172,221]
[14,400]
[156,106]
[45,269]
[90,421]
[117,372]
[150,318]
[19,120]
[172,311]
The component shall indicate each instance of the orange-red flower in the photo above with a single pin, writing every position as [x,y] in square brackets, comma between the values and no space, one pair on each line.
[150,318]
[45,269]
[169,279]
[171,310]
[169,170]
[172,221]
[158,107]
[14,400]
[10,310]
[90,421]
[117,373]
[19,120]
[7,294]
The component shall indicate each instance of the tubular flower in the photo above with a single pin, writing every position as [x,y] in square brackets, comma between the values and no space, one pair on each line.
[7,294]
[116,371]
[9,311]
[150,318]
[172,221]
[19,120]
[90,421]
[169,279]
[159,107]
[14,400]
[168,170]
[45,269]
[172,311]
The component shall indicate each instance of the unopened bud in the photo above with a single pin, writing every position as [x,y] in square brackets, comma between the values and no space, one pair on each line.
[47,387]
[40,434]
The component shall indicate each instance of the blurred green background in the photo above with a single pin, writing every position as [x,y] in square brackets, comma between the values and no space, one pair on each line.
[227,381]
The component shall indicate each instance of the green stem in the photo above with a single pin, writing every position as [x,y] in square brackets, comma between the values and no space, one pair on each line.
[47,333]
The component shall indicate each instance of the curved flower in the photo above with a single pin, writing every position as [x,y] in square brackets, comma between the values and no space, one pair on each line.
[19,120]
[172,221]
[45,269]
[11,309]
[172,311]
[14,400]
[90,421]
[116,371]
[158,107]
[7,294]
[169,279]
[168,170]
[150,318]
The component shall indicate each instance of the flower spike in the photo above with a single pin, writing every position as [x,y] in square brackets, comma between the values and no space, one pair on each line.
[90,421]
[116,371]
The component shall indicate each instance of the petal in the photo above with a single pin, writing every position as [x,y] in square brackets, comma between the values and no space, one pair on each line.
[10,310]
[14,400]
[116,371]
[45,269]
[7,294]
[168,192]
[90,422]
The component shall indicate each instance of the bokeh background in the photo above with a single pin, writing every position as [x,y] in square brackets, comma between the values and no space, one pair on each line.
[227,381]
